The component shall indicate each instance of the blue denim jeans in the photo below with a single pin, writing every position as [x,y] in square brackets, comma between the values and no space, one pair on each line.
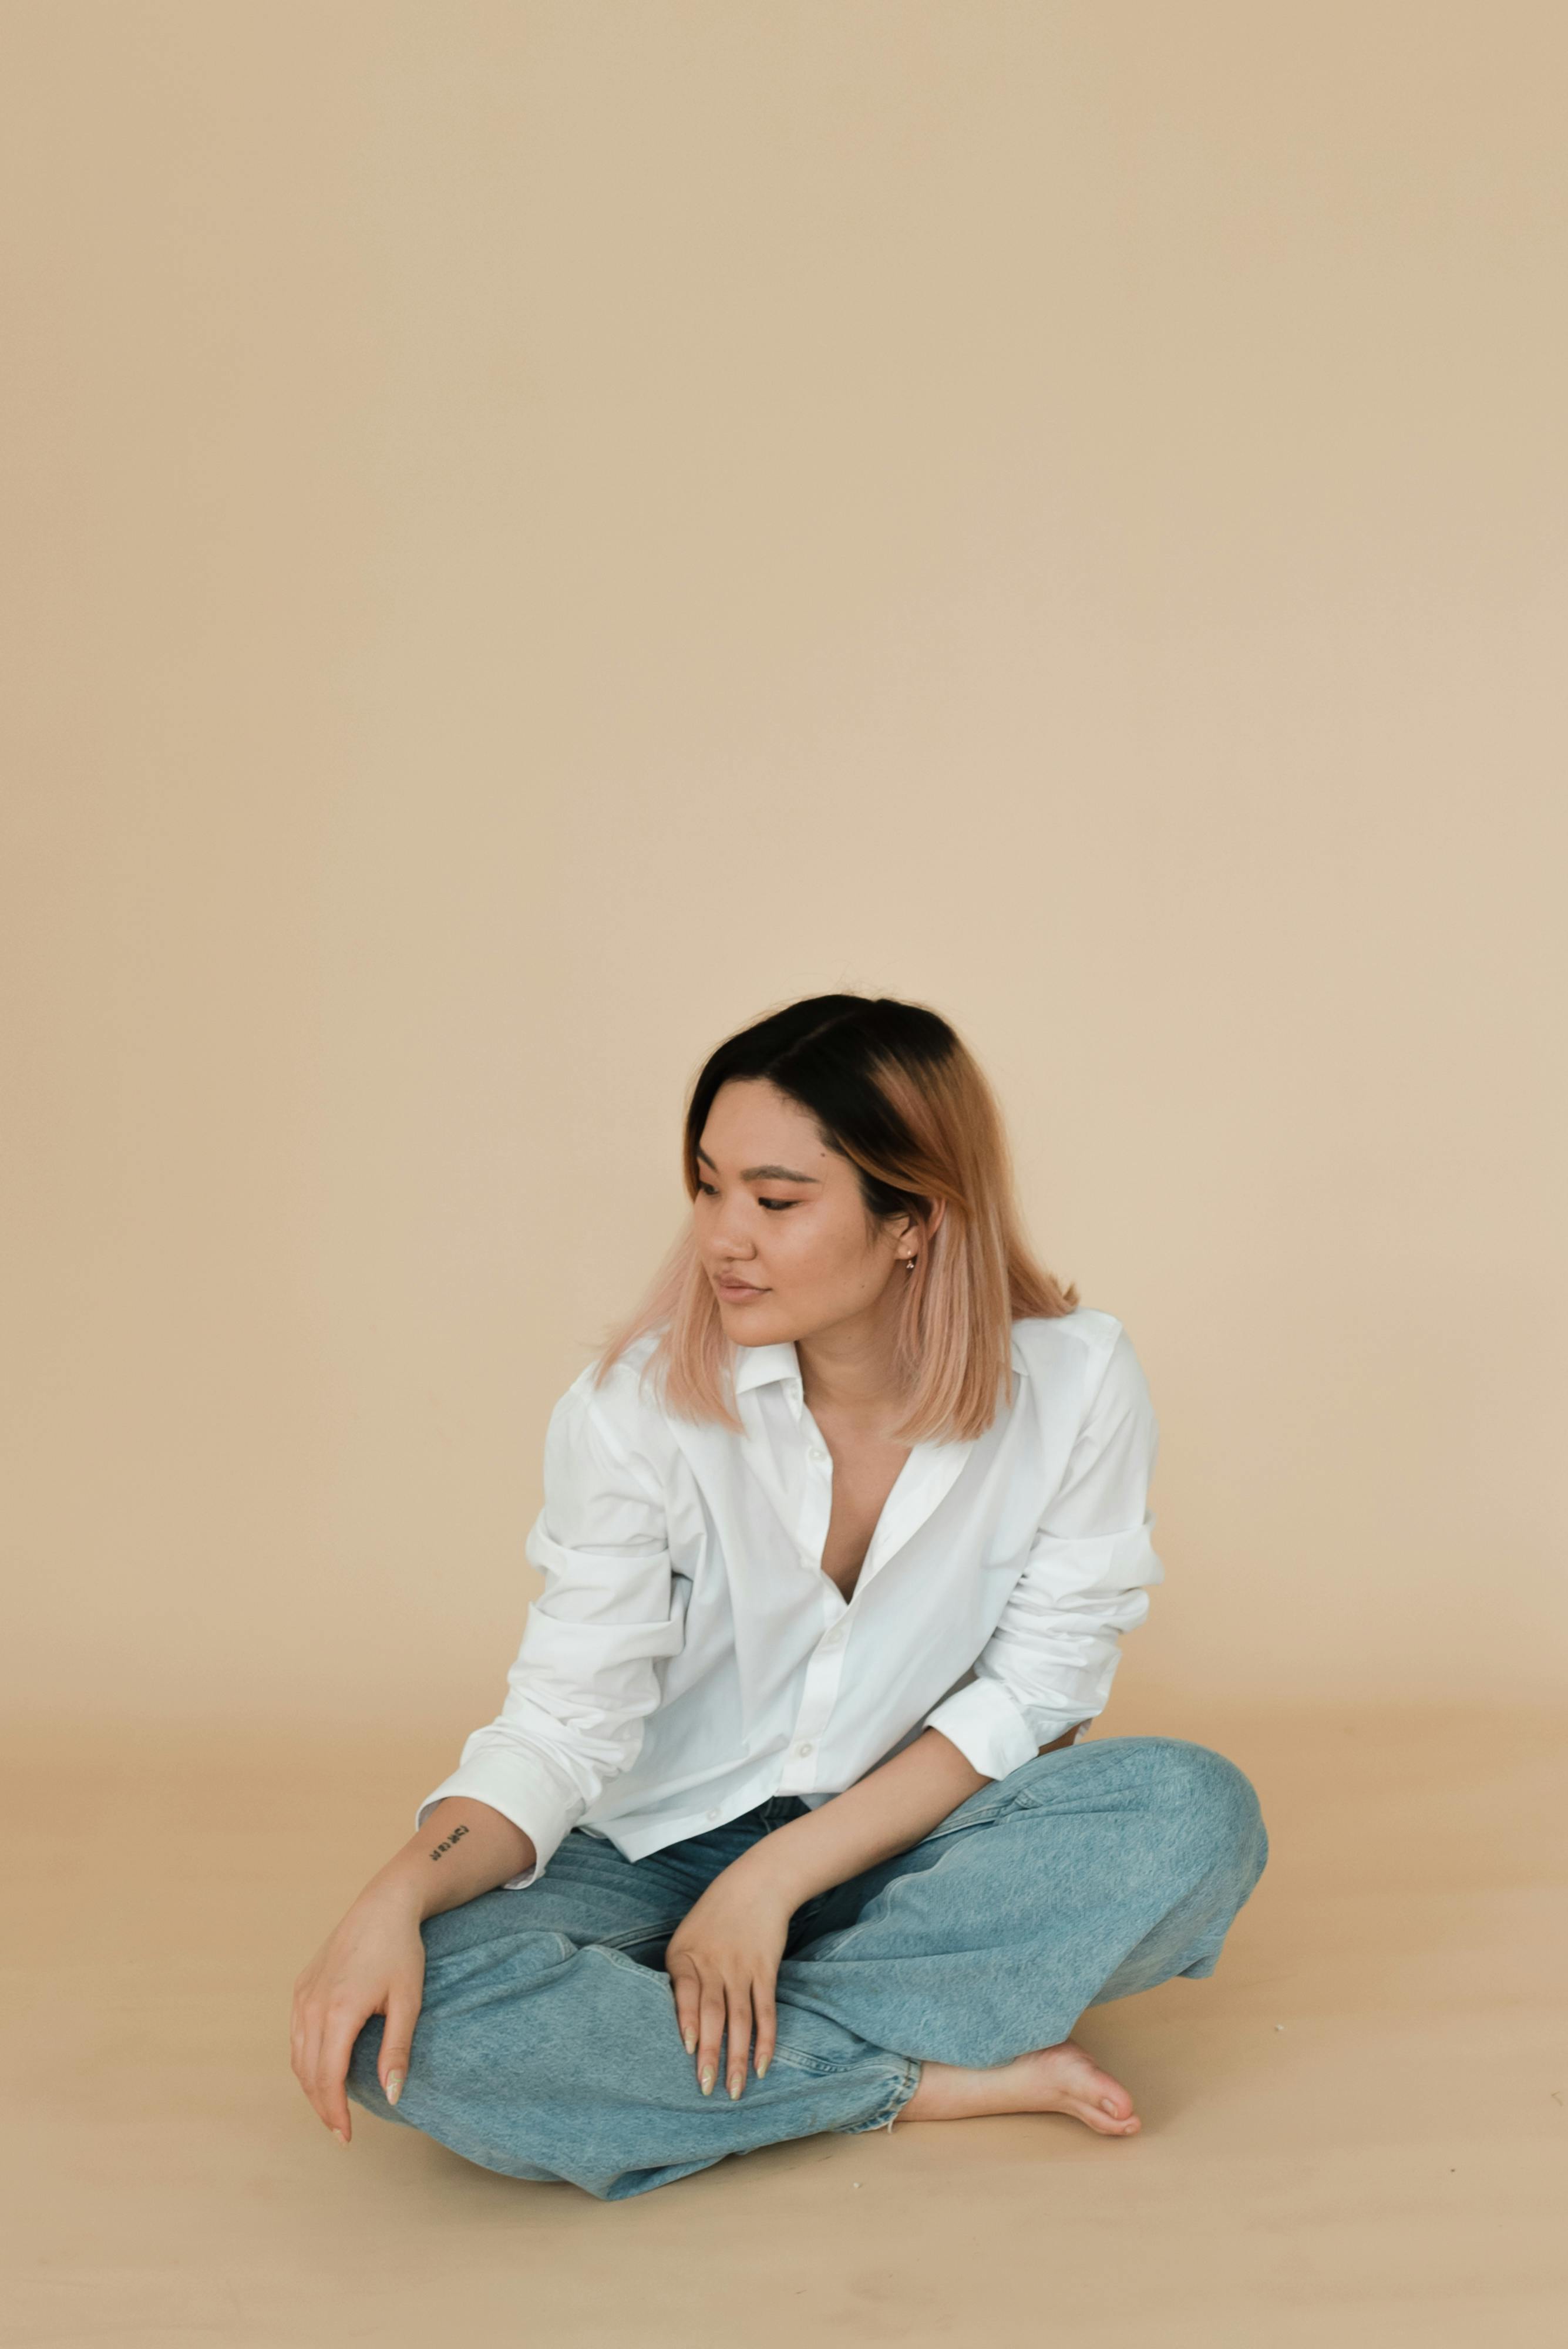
[547,2046]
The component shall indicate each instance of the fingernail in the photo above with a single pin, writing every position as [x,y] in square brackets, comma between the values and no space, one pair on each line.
[691,2042]
[394,2086]
[339,2135]
[762,2068]
[736,2086]
[708,2077]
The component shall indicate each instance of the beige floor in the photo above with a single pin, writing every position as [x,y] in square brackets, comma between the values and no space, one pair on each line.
[1356,2133]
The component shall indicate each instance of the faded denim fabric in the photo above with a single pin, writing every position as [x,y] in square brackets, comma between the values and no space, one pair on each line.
[548,2048]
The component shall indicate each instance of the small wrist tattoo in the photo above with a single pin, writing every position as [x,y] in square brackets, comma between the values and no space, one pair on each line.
[456,1836]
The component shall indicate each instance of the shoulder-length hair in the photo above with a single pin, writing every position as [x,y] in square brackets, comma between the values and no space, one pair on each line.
[893,1090]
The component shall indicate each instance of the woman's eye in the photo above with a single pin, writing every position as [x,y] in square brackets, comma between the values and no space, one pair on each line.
[775,1206]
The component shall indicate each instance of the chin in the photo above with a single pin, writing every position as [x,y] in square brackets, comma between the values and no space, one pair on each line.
[761,1324]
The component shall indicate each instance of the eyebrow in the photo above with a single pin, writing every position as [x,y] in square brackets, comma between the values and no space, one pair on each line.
[769,1174]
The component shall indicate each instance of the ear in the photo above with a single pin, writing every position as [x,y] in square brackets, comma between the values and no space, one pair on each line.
[912,1228]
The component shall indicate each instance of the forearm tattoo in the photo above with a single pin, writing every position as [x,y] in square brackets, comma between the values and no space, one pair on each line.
[456,1836]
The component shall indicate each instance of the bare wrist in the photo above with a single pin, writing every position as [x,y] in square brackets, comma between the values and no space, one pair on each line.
[397,1890]
[768,1874]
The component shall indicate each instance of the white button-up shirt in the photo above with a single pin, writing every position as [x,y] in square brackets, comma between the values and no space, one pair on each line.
[688,1657]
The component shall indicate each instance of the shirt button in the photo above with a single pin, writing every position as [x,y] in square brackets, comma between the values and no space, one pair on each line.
[816,1456]
[712,1814]
[803,1749]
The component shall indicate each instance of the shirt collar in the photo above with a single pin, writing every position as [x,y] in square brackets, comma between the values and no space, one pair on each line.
[763,1366]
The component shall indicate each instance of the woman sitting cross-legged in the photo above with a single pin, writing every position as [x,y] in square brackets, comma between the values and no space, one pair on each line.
[782,1827]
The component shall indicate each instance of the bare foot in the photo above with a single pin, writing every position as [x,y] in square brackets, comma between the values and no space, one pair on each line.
[1060,2079]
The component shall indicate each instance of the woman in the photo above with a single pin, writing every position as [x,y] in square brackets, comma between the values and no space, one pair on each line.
[839,1539]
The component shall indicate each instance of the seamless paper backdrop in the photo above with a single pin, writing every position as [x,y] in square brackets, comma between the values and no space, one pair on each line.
[538,531]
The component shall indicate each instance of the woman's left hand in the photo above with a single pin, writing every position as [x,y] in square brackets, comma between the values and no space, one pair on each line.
[723,1960]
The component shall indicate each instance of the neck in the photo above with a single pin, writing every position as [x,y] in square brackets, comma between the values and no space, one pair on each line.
[850,1369]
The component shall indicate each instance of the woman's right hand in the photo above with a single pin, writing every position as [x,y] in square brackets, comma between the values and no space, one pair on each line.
[374,1963]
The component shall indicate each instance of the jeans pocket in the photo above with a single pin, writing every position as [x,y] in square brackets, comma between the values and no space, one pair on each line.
[633,1937]
[984,1814]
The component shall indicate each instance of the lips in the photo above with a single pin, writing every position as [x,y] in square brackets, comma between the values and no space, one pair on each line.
[736,1292]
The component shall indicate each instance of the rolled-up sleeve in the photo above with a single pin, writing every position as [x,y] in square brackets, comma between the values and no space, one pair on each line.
[1049,1664]
[587,1675]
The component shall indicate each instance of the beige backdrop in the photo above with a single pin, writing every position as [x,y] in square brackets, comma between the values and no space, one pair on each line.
[538,530]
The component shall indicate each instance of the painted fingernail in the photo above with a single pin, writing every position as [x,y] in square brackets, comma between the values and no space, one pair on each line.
[691,2042]
[762,2068]
[708,2079]
[736,2086]
[394,2086]
[339,2135]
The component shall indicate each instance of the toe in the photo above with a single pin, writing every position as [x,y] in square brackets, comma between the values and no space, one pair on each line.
[1106,2106]
[1090,2095]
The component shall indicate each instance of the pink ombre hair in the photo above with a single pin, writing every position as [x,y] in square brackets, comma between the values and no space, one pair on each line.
[894,1089]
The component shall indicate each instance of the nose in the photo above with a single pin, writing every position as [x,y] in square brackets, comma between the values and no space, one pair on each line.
[728,1240]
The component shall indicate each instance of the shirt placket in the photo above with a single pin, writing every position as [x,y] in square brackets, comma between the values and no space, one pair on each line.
[937,1467]
[826,1668]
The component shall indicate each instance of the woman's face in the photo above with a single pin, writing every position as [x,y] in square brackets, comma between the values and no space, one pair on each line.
[782,1227]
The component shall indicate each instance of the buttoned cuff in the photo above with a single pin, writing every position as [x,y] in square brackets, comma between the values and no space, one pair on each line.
[990,1729]
[521,1790]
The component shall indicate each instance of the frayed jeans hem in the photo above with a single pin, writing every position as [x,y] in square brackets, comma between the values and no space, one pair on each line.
[893,2104]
